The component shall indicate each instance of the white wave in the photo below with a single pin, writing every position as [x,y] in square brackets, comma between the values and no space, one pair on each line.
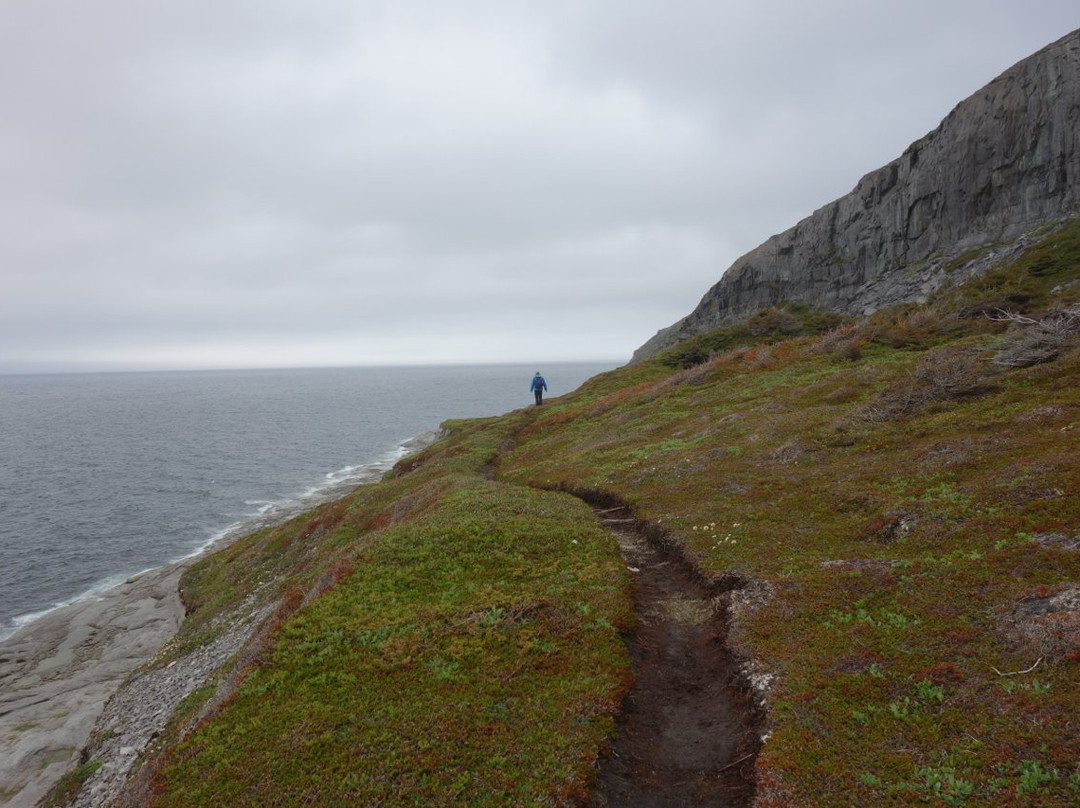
[266,514]
[19,622]
[333,485]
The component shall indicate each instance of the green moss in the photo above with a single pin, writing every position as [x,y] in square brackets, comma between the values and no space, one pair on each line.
[454,662]
[452,634]
[1045,276]
[68,786]
[966,257]
[763,328]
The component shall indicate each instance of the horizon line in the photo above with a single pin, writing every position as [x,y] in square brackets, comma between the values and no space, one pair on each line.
[73,371]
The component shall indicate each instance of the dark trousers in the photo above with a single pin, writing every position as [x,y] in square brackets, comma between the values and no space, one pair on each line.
[539,396]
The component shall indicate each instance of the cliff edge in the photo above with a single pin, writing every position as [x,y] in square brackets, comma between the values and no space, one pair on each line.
[1001,163]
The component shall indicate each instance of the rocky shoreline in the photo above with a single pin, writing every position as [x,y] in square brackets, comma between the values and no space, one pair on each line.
[138,712]
[67,693]
[57,674]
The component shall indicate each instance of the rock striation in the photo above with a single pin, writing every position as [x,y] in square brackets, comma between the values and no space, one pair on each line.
[1002,163]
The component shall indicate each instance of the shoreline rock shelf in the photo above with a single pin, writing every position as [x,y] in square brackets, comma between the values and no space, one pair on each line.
[57,674]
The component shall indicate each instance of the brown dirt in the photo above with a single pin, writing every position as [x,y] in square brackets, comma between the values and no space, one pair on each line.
[688,733]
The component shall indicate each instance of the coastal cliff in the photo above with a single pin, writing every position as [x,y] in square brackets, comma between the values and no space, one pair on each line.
[863,542]
[869,531]
[1004,161]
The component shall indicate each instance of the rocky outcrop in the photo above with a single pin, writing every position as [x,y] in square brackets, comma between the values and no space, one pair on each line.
[57,673]
[1003,162]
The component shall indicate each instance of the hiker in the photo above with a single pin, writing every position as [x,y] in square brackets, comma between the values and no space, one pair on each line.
[538,387]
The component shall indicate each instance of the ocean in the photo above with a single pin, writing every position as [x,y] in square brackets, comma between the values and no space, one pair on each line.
[103,476]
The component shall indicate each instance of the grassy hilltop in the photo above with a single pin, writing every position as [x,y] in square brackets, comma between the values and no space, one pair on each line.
[895,499]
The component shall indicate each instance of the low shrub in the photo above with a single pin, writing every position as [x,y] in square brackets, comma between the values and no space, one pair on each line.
[948,374]
[1032,341]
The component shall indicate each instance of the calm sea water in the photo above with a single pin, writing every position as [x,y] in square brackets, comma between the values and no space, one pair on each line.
[106,475]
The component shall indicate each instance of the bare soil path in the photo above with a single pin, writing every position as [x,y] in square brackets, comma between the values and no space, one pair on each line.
[688,733]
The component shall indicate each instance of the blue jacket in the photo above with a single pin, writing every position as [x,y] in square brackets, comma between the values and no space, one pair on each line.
[538,383]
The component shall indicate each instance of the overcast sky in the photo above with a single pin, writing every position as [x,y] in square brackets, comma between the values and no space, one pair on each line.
[235,183]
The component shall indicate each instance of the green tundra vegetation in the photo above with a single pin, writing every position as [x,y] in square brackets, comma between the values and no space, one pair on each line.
[900,494]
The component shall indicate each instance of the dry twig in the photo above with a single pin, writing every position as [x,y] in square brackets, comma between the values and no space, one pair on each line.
[1017,673]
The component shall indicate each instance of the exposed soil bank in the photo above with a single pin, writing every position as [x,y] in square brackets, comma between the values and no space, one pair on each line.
[689,730]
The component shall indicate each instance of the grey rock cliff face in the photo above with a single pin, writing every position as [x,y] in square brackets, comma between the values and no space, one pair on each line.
[1003,162]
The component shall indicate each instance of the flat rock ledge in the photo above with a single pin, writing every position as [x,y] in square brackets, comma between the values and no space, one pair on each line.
[71,690]
[57,674]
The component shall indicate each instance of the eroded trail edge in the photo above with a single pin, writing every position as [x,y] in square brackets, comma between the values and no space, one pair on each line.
[689,730]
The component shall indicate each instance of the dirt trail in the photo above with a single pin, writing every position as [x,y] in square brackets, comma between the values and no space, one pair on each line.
[688,732]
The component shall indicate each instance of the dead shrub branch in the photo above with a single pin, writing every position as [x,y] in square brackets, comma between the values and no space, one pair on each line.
[946,375]
[1033,341]
[1017,673]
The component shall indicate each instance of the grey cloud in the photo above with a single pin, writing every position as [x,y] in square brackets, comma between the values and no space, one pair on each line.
[414,181]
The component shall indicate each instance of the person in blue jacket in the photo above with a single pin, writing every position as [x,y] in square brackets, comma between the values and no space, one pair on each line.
[538,387]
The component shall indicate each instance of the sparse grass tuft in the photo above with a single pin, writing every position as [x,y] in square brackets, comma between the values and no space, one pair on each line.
[67,788]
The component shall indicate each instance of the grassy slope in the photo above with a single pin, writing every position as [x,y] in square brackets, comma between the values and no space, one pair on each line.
[463,648]
[451,636]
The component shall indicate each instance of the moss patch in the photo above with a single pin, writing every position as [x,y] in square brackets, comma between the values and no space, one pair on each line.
[452,635]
